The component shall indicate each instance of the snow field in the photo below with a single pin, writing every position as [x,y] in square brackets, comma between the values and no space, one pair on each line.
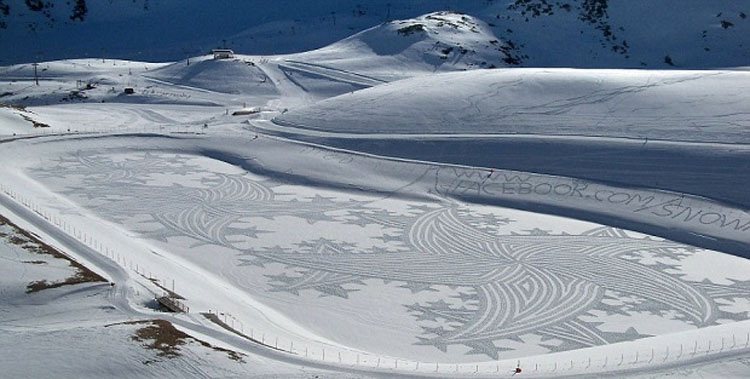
[457,224]
[697,34]
[635,104]
[663,350]
[88,320]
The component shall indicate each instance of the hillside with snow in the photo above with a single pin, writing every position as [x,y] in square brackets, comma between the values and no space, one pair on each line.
[627,126]
[485,188]
[534,33]
[436,42]
[636,104]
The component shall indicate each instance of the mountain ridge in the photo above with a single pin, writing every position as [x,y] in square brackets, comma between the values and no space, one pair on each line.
[539,33]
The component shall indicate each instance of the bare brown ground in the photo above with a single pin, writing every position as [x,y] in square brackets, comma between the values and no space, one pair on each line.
[33,244]
[162,336]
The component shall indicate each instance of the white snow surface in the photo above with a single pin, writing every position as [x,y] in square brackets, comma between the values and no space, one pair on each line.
[685,131]
[78,331]
[439,41]
[267,250]
[695,106]
[575,33]
[377,214]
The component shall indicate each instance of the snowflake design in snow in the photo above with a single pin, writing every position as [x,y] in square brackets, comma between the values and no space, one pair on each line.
[510,286]
[521,284]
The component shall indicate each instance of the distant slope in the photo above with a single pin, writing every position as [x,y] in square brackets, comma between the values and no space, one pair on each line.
[227,76]
[698,106]
[438,41]
[573,33]
[683,131]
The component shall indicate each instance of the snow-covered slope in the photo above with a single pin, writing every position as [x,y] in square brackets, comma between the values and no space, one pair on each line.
[659,129]
[440,41]
[19,120]
[227,76]
[578,33]
[396,217]
[379,265]
[608,103]
[54,314]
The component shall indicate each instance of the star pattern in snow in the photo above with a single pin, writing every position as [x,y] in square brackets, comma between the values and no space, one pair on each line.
[511,285]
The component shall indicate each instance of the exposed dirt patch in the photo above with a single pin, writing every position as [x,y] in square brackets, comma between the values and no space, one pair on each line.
[36,262]
[411,29]
[12,106]
[162,336]
[78,278]
[31,243]
[36,123]
[22,108]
